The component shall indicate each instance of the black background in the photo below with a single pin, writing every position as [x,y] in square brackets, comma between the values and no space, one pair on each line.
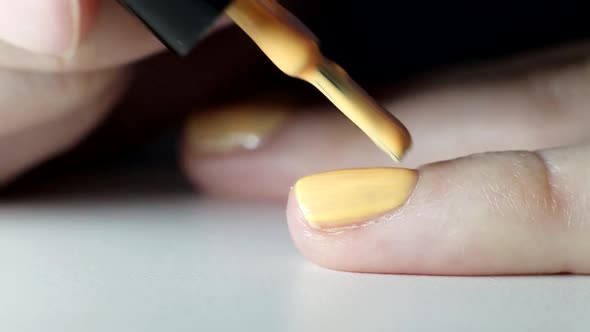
[378,39]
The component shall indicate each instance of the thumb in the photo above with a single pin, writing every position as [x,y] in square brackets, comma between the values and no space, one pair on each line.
[53,27]
[493,213]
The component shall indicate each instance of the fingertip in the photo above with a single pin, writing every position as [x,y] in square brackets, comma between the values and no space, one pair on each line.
[340,250]
[316,246]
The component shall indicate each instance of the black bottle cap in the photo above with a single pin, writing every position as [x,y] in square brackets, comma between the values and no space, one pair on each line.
[179,24]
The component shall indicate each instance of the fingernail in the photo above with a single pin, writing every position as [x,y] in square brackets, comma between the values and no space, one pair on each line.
[234,128]
[50,26]
[350,197]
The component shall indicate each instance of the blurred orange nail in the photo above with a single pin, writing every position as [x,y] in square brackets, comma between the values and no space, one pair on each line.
[238,127]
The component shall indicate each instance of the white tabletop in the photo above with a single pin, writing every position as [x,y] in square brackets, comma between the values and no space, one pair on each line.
[166,260]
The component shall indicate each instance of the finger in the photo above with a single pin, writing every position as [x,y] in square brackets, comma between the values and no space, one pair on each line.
[42,115]
[529,112]
[487,214]
[105,36]
[53,27]
[115,38]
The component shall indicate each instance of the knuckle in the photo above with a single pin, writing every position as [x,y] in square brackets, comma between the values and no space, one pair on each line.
[533,194]
[519,186]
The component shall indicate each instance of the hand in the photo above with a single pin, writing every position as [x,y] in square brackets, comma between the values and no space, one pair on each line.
[65,65]
[473,212]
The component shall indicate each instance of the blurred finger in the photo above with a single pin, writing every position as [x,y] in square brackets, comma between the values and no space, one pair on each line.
[42,115]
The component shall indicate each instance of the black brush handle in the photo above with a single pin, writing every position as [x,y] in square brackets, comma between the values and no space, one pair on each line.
[179,24]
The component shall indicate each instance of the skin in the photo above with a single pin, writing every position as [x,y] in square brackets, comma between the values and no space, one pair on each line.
[476,210]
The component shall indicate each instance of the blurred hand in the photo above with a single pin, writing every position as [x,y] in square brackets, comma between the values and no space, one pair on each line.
[66,64]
